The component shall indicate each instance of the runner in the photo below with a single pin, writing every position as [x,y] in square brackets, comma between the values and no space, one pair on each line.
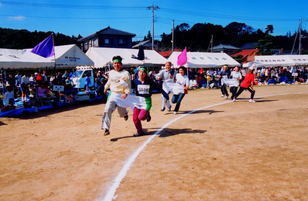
[167,76]
[119,85]
[247,84]
[234,82]
[224,76]
[180,88]
[143,86]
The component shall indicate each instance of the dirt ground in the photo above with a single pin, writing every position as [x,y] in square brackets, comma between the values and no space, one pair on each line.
[236,151]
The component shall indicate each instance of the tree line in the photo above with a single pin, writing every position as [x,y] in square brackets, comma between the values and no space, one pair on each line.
[195,38]
[198,37]
[22,39]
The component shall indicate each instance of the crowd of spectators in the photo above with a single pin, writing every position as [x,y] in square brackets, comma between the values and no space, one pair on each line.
[36,88]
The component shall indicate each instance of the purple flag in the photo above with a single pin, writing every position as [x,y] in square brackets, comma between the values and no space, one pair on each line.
[45,48]
[182,58]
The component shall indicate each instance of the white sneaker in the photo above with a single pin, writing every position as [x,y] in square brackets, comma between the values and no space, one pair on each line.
[233,100]
[222,96]
[251,101]
[174,112]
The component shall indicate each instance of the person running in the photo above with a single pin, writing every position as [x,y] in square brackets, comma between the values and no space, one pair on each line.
[224,75]
[119,85]
[167,76]
[180,88]
[247,84]
[143,86]
[234,83]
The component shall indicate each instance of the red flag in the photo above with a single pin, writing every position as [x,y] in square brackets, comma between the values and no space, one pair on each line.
[182,58]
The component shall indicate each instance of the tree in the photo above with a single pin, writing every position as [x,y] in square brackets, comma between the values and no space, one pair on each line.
[148,36]
[269,29]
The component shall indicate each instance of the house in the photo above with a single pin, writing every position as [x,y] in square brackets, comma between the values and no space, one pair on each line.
[107,37]
[229,49]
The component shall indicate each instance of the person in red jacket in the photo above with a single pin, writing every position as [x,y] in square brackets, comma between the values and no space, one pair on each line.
[247,84]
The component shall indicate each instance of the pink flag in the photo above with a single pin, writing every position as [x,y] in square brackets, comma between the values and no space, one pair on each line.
[182,58]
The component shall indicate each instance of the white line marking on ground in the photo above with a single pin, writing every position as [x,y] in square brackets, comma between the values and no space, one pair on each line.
[110,195]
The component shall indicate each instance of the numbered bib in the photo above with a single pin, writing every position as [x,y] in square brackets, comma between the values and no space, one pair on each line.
[143,89]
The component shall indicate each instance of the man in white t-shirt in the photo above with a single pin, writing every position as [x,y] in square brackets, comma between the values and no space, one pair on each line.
[119,85]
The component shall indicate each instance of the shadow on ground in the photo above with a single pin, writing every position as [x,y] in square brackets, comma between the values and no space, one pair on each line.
[2,124]
[167,132]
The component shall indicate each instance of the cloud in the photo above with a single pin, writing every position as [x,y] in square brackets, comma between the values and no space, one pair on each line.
[17,18]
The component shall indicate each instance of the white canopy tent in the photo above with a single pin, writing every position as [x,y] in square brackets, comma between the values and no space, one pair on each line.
[67,56]
[278,60]
[204,59]
[102,57]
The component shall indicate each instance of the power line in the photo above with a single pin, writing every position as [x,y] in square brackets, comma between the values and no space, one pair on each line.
[80,18]
[74,6]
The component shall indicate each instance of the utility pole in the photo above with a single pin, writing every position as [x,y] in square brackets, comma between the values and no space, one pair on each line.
[172,40]
[210,48]
[153,8]
[300,37]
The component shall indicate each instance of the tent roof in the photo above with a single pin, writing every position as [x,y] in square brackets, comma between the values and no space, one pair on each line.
[204,59]
[66,56]
[282,60]
[103,56]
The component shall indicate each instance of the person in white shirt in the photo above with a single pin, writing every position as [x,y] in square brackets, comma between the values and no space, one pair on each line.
[24,87]
[180,88]
[119,85]
[167,76]
[234,82]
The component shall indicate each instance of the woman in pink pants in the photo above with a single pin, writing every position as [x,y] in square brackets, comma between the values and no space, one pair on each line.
[143,87]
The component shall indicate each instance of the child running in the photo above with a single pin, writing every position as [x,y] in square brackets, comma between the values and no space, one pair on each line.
[141,111]
[235,76]
[247,84]
[167,76]
[180,88]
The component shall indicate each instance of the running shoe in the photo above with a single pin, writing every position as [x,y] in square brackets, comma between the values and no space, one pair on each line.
[251,101]
[139,134]
[106,132]
[149,118]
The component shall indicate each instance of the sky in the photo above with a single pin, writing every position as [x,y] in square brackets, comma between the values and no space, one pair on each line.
[73,17]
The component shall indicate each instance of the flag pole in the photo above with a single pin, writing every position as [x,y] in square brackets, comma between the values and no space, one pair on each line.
[54,55]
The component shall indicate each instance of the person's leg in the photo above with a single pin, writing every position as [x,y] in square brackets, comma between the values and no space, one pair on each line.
[178,103]
[165,98]
[137,121]
[106,119]
[224,89]
[174,98]
[143,114]
[239,92]
[233,92]
[252,92]
[123,112]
